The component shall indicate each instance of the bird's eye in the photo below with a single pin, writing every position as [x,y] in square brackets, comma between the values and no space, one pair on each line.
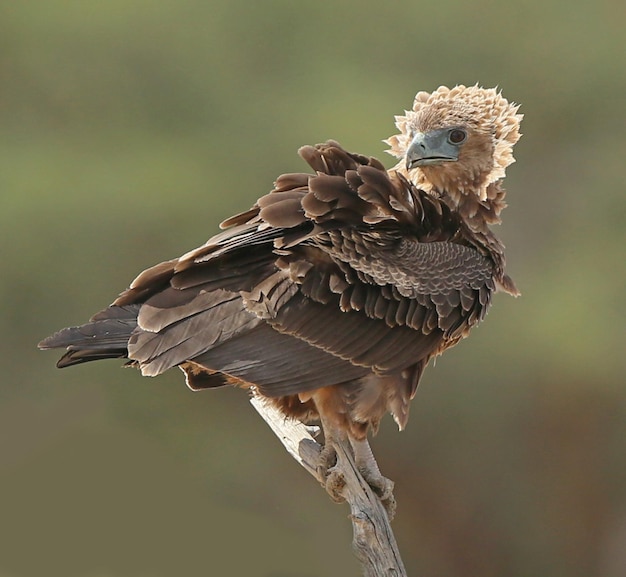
[457,136]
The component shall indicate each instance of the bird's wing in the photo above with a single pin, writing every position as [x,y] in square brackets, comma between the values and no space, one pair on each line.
[391,258]
[352,268]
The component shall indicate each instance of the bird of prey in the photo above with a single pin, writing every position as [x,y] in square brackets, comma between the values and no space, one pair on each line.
[332,293]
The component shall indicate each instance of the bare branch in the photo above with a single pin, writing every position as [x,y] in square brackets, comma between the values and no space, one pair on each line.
[373,542]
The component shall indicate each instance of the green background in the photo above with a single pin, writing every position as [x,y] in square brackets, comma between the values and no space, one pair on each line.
[129,129]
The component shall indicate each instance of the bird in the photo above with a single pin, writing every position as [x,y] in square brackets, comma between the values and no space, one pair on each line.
[331,294]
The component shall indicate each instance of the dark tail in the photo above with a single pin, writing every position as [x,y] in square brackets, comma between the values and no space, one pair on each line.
[105,336]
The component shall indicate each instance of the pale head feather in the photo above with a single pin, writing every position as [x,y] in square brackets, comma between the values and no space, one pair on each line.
[483,110]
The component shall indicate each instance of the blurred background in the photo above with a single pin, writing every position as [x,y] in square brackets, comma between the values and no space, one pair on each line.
[129,129]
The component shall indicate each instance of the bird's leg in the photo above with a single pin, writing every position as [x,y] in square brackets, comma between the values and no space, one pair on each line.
[368,467]
[329,475]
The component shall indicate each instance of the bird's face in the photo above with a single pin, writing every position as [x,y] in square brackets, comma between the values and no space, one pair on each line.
[435,147]
[456,156]
[456,140]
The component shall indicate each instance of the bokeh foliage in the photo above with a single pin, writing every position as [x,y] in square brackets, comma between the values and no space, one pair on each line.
[130,129]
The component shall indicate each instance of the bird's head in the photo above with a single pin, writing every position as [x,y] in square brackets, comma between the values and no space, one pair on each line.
[457,141]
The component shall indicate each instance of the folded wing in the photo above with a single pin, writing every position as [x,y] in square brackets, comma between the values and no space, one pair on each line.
[330,277]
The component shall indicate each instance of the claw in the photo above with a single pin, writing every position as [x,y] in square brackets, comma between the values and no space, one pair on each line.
[368,467]
[335,484]
[328,459]
[330,477]
[382,486]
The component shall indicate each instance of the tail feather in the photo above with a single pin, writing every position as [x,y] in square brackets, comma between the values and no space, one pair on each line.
[104,337]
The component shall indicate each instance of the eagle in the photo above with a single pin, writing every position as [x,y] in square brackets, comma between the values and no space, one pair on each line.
[331,294]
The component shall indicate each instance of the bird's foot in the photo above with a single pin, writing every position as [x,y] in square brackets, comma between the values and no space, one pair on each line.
[330,477]
[368,468]
[383,487]
[333,480]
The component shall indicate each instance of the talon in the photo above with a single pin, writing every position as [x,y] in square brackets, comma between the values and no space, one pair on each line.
[335,484]
[368,468]
[390,506]
[329,476]
[328,459]
[382,486]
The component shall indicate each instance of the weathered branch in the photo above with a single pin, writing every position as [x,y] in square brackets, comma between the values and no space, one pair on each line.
[373,542]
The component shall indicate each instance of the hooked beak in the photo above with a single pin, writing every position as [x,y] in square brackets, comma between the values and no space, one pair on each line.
[428,148]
